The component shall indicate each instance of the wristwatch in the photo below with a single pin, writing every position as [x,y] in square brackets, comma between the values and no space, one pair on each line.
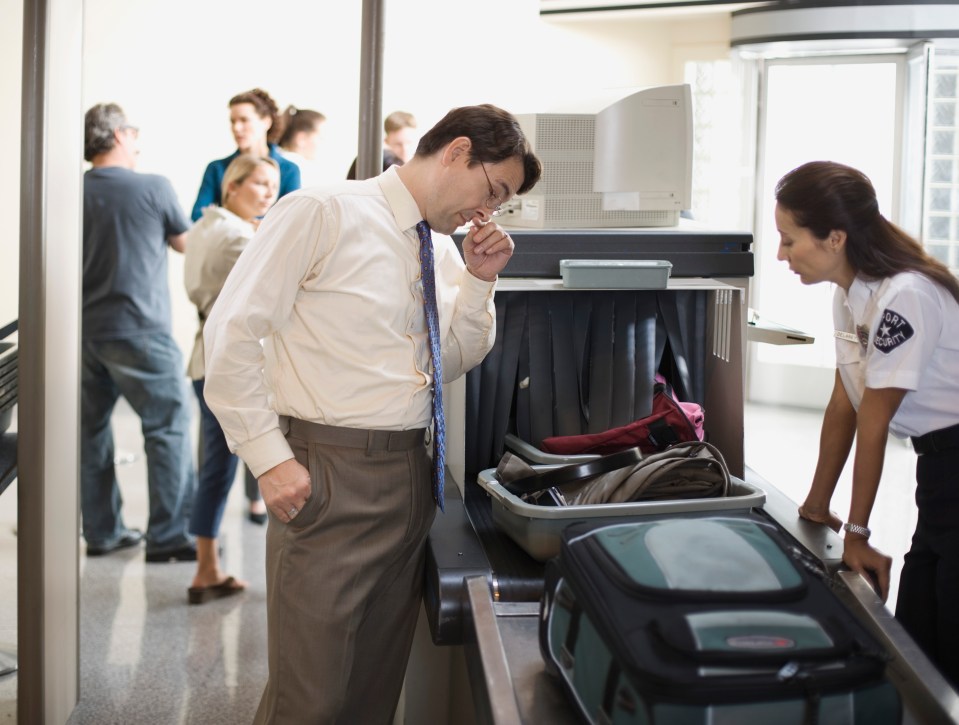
[857,529]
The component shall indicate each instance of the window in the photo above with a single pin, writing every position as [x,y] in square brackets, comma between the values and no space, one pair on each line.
[722,158]
[941,218]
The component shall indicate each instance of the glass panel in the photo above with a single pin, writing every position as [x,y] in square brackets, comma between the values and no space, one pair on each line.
[940,199]
[938,227]
[944,85]
[939,251]
[943,142]
[942,185]
[721,198]
[944,113]
[941,171]
[11,35]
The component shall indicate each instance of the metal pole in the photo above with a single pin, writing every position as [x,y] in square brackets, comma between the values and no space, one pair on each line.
[48,411]
[32,322]
[369,160]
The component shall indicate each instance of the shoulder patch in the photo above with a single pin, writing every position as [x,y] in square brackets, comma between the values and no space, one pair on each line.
[894,330]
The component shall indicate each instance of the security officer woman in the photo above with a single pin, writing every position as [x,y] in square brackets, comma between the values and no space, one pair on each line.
[896,313]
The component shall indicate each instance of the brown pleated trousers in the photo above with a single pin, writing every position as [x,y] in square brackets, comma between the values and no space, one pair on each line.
[344,578]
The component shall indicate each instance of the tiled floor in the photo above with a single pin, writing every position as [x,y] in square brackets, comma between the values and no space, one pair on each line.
[147,657]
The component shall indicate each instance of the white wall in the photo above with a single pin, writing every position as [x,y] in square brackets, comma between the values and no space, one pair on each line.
[595,60]
[174,64]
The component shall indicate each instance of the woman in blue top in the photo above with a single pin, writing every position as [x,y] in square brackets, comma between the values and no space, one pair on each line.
[255,123]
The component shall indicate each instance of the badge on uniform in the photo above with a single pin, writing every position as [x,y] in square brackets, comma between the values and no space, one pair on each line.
[861,336]
[894,329]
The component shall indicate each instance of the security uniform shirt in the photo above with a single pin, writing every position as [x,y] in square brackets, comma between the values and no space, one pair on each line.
[901,332]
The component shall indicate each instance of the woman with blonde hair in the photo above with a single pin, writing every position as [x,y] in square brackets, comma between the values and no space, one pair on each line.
[249,188]
[257,126]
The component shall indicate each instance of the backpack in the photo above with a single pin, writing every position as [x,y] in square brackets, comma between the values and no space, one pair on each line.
[670,421]
[706,619]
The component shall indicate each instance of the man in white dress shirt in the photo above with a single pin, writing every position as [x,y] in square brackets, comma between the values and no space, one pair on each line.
[319,371]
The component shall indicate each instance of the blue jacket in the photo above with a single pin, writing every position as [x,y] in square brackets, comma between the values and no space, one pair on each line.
[210,187]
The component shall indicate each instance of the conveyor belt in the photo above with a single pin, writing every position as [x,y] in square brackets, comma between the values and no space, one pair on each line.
[465,549]
[463,543]
[517,576]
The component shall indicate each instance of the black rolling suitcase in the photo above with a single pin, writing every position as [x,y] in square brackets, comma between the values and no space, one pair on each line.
[705,619]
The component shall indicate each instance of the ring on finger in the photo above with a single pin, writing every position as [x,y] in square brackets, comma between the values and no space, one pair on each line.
[293,511]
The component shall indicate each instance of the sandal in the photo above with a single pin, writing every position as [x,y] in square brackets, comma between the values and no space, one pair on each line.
[226,588]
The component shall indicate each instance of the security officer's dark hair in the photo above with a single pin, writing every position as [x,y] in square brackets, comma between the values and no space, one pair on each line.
[495,135]
[824,196]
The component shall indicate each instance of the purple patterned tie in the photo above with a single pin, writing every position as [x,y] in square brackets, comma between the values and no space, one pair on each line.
[433,323]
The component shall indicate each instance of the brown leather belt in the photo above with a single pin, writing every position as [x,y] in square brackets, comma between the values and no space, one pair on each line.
[371,440]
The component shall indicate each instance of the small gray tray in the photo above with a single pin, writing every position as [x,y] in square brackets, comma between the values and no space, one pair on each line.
[537,528]
[615,273]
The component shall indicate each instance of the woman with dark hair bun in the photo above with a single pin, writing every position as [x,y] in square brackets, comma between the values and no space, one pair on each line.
[301,135]
[256,125]
[896,314]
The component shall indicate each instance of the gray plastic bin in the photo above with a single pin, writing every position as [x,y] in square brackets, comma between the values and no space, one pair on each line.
[615,273]
[536,528]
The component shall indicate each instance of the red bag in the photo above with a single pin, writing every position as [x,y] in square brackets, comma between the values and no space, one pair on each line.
[671,421]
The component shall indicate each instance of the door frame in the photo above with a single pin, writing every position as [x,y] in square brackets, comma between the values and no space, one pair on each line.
[801,385]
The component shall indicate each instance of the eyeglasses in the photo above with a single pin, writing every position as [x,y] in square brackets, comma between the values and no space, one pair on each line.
[493,203]
[133,129]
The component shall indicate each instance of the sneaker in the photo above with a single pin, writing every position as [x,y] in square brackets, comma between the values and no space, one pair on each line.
[129,539]
[186,552]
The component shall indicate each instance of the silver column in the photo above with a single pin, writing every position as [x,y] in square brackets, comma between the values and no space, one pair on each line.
[370,159]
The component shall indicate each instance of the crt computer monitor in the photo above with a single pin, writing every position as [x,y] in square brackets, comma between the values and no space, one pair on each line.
[629,165]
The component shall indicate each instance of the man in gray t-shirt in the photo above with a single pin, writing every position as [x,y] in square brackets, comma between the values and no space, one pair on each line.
[129,220]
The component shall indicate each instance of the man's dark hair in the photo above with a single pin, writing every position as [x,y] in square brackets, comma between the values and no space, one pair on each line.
[495,135]
[99,123]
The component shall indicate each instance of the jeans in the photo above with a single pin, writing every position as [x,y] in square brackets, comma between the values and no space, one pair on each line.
[217,471]
[147,370]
